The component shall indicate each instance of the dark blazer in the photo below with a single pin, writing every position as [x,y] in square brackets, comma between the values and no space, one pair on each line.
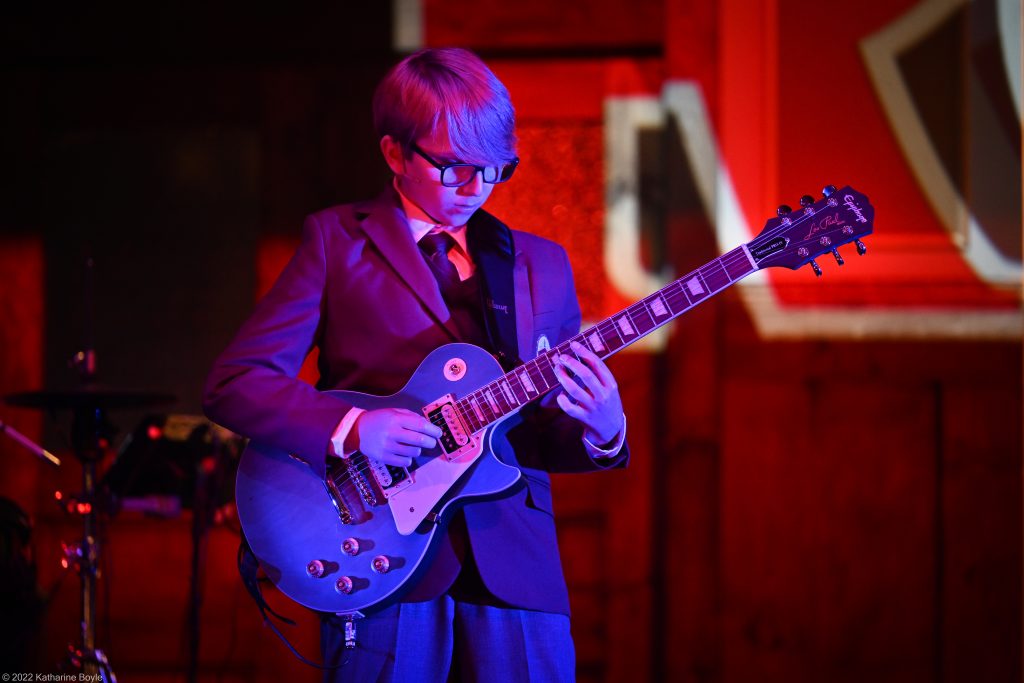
[359,291]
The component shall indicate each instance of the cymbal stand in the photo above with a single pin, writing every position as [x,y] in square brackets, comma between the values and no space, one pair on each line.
[86,435]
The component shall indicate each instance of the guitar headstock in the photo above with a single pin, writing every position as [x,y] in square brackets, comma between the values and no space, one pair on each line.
[797,237]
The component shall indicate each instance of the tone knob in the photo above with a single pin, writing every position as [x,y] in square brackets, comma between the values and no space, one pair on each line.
[380,564]
[343,585]
[315,569]
[350,546]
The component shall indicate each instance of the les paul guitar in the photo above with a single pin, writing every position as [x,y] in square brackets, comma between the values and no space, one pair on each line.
[354,542]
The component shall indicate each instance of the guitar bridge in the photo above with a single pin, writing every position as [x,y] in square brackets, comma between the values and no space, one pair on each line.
[337,499]
[359,479]
[456,439]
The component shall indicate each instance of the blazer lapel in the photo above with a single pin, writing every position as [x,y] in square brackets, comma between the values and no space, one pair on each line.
[384,223]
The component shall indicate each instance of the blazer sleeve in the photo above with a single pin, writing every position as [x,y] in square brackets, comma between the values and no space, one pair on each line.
[253,387]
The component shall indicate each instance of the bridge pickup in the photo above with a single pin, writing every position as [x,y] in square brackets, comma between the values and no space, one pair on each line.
[456,438]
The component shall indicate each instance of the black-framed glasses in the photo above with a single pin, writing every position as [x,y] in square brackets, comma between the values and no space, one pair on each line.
[459,174]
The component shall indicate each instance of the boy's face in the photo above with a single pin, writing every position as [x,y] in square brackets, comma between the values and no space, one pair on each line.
[420,181]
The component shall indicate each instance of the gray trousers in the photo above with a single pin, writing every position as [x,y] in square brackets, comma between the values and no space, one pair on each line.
[444,640]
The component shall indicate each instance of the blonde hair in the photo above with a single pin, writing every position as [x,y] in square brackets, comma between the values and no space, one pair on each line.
[450,87]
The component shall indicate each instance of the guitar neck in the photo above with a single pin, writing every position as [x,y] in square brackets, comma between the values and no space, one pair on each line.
[536,377]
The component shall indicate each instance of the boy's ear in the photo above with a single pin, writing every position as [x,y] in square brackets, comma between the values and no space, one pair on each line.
[393,153]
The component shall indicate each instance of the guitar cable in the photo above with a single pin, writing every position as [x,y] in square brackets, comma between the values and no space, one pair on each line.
[248,566]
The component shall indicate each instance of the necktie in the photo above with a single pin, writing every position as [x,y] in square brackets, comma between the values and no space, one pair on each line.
[435,248]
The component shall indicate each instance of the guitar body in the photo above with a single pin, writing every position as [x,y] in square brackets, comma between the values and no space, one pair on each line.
[291,518]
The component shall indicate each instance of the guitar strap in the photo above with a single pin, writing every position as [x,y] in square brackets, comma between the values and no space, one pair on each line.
[493,251]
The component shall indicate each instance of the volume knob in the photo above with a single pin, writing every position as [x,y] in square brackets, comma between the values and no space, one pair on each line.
[343,585]
[380,564]
[350,546]
[315,569]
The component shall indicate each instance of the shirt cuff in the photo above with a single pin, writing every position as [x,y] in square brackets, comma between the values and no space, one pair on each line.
[598,453]
[341,433]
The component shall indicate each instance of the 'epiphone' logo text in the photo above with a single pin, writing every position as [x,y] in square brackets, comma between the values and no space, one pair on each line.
[852,206]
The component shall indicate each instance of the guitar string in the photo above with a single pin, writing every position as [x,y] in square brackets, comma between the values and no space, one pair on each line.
[733,257]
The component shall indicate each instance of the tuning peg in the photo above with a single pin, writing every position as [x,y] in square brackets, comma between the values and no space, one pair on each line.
[784,210]
[817,270]
[839,259]
[861,249]
[828,191]
[806,200]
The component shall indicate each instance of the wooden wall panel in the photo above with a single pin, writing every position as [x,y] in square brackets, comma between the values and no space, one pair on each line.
[980,450]
[828,531]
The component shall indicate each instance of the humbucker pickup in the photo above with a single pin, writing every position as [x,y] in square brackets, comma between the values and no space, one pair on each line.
[456,439]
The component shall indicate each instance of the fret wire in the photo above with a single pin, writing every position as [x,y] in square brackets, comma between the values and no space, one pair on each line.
[470,413]
[485,408]
[504,407]
[588,341]
[499,397]
[602,336]
[686,302]
[520,371]
[550,367]
[533,369]
[486,405]
[646,306]
[501,383]
[712,270]
[721,266]
[513,381]
[707,289]
[648,301]
[630,323]
[683,289]
[643,309]
[708,269]
[468,416]
[474,422]
[664,294]
[612,325]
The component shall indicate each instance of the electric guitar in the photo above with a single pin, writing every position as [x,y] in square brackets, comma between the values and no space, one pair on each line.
[355,541]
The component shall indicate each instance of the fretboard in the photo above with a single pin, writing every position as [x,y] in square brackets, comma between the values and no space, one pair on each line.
[536,377]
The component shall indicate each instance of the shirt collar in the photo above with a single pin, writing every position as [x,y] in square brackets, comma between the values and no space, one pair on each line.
[420,223]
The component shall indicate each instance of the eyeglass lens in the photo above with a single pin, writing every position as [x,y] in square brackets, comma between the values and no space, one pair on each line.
[460,174]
